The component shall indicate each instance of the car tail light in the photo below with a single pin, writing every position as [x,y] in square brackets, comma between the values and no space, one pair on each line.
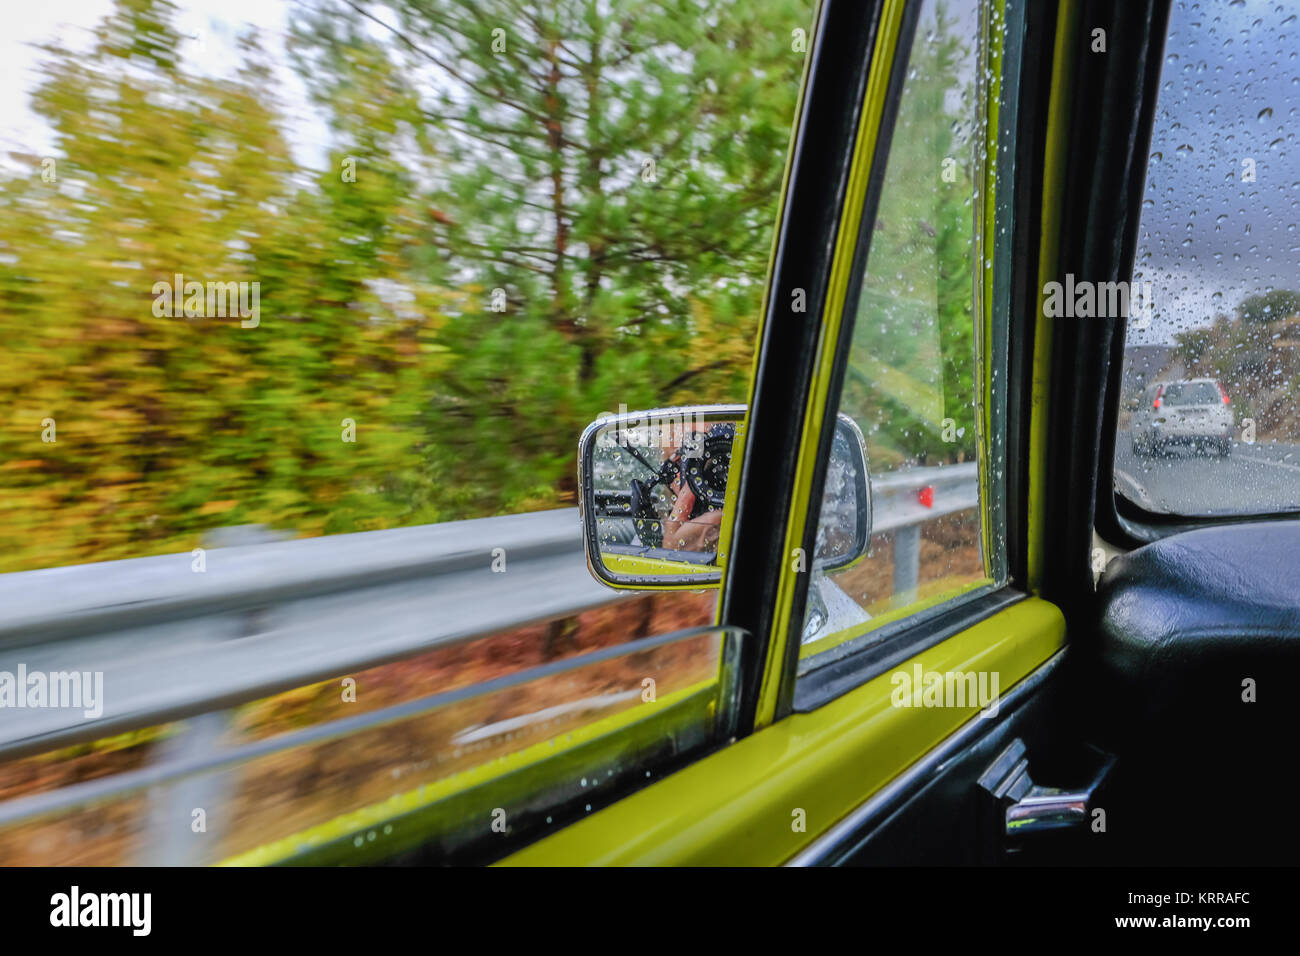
[1159,391]
[1223,392]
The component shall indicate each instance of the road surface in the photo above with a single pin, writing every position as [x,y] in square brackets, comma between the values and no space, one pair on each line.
[1259,478]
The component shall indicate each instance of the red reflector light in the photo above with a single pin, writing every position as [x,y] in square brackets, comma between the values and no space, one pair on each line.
[926,496]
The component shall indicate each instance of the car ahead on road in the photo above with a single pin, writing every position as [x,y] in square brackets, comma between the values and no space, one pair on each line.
[1191,413]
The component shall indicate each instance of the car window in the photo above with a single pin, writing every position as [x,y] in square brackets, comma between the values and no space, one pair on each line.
[1218,260]
[912,381]
[304,305]
[1192,393]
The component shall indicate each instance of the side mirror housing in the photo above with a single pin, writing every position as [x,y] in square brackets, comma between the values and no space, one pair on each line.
[655,487]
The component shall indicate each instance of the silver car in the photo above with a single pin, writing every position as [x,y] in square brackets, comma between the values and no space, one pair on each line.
[1195,413]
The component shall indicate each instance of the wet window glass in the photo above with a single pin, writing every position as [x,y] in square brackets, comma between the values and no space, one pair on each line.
[1209,412]
[305,305]
[473,771]
[912,377]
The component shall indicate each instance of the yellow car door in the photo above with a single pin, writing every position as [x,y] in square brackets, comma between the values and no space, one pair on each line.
[889,302]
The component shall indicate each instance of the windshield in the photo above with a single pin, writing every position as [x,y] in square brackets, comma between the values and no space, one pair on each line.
[1217,273]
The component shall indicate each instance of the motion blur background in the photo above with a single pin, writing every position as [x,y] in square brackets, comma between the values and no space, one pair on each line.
[476,225]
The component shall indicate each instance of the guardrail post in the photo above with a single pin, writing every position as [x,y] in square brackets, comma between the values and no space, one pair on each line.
[173,806]
[907,563]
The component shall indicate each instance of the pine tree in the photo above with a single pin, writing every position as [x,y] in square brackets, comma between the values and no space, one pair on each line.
[603,182]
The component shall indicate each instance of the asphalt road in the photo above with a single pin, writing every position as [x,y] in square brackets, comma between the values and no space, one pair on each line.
[1259,478]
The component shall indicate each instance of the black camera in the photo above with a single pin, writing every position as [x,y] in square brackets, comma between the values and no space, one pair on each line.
[702,461]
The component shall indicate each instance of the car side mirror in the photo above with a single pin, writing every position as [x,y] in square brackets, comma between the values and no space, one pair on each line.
[655,487]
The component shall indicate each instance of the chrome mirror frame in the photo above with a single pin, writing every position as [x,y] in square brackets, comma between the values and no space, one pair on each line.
[848,436]
[847,431]
[703,414]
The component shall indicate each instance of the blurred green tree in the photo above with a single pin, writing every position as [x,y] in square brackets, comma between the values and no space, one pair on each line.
[168,425]
[913,361]
[1269,306]
[603,184]
[511,238]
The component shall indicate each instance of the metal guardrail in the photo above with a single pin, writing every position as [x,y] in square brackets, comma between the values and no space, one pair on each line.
[896,498]
[174,642]
[905,500]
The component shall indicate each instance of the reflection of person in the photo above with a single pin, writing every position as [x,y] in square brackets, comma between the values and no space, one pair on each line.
[700,467]
[681,531]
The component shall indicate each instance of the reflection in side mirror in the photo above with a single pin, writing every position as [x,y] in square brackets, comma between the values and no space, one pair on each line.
[654,492]
[844,526]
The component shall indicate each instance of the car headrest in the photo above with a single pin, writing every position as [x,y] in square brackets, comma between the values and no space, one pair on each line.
[1193,625]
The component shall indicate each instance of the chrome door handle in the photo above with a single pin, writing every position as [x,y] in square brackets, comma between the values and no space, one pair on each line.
[1030,808]
[1047,808]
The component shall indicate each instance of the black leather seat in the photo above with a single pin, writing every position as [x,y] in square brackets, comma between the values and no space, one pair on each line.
[1183,625]
[1186,620]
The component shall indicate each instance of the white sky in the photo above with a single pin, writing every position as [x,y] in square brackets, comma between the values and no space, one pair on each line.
[214,25]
